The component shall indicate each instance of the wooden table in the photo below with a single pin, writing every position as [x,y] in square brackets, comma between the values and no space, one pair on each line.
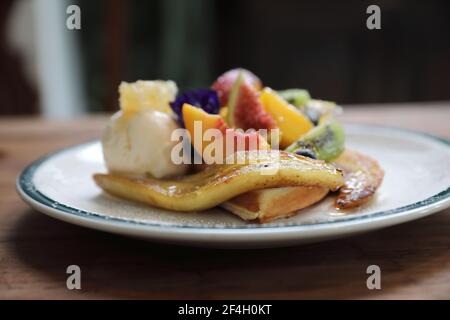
[35,250]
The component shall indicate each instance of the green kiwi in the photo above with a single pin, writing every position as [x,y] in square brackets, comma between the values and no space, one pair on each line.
[326,141]
[297,97]
[314,109]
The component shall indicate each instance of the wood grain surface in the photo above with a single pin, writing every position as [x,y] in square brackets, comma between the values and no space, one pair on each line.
[35,250]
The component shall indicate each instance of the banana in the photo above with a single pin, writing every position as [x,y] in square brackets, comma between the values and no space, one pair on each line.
[274,203]
[221,182]
[362,176]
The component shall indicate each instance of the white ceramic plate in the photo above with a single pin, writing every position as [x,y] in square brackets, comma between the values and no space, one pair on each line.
[416,184]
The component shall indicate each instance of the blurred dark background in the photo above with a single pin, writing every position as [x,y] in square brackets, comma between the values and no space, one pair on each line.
[320,45]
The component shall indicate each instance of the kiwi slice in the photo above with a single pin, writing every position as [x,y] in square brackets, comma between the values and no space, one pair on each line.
[317,109]
[296,97]
[326,141]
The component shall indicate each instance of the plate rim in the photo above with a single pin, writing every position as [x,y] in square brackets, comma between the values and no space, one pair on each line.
[30,194]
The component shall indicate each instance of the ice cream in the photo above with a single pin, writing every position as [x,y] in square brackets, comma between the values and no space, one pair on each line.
[137,139]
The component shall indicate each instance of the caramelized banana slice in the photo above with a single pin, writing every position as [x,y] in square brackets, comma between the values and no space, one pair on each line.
[219,183]
[362,176]
[274,203]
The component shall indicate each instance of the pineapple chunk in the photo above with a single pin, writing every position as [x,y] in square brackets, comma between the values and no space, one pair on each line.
[147,95]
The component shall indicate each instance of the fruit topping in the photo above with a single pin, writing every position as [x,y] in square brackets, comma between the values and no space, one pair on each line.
[313,109]
[306,153]
[204,99]
[326,141]
[292,122]
[147,95]
[192,114]
[197,123]
[296,97]
[319,109]
[245,110]
[224,83]
[313,114]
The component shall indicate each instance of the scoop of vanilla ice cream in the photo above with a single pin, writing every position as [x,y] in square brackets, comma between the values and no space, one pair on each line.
[139,143]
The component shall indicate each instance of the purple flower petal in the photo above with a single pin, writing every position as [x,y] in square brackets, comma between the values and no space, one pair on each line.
[205,99]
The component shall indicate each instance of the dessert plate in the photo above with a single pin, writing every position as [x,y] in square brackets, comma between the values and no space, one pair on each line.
[416,184]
